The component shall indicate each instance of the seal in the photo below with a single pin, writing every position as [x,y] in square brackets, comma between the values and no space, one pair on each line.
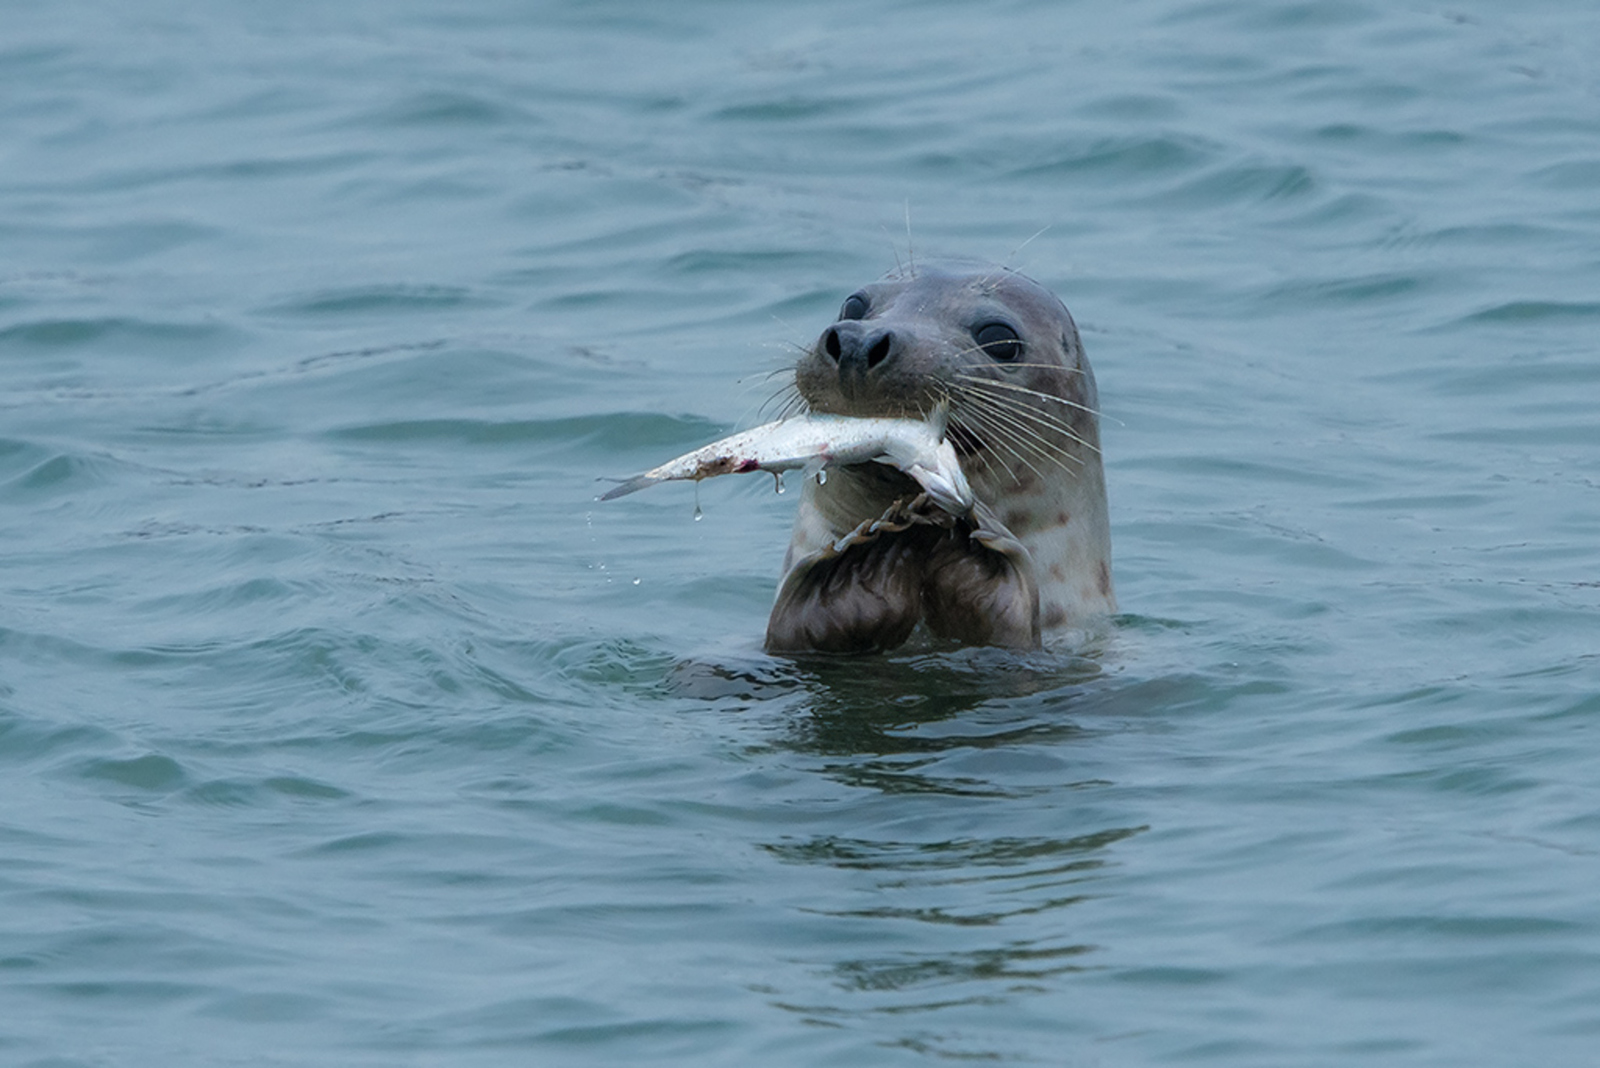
[871,557]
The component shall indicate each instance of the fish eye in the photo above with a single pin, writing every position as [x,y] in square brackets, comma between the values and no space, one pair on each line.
[999,341]
[855,307]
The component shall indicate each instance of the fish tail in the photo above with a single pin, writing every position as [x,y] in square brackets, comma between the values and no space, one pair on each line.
[632,485]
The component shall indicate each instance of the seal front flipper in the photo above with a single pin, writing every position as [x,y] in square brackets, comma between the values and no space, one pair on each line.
[981,590]
[968,577]
[860,595]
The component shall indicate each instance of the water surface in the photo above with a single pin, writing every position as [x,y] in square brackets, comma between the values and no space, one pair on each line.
[339,725]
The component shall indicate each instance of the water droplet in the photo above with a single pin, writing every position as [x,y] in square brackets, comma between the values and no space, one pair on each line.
[637,581]
[777,481]
[822,476]
[698,514]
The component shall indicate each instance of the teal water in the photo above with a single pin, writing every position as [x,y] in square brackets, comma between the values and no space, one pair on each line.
[340,726]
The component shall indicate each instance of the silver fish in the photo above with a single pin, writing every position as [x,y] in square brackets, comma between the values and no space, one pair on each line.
[815,442]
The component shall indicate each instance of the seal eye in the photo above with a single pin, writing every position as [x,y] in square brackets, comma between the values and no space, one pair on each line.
[855,307]
[999,341]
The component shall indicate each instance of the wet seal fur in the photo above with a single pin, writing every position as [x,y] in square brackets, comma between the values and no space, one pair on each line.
[871,557]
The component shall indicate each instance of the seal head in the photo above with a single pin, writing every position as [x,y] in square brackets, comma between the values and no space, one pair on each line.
[871,557]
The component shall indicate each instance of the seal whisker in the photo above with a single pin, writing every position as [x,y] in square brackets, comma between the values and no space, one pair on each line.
[1007,420]
[1041,421]
[768,376]
[1044,419]
[997,393]
[790,408]
[984,380]
[979,424]
[1037,234]
[786,402]
[1024,365]
[1019,365]
[1003,418]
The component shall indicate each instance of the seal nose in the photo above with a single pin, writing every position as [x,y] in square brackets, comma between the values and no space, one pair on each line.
[856,349]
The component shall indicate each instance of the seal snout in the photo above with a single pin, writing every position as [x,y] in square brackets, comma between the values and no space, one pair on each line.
[856,348]
[866,358]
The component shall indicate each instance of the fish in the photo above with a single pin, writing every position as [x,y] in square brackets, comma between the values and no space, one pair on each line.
[815,442]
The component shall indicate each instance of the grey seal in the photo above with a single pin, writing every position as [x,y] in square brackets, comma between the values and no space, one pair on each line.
[871,557]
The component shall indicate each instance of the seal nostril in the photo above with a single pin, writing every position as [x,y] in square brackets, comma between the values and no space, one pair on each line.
[830,343]
[879,350]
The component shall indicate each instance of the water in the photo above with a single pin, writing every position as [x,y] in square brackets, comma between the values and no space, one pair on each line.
[340,726]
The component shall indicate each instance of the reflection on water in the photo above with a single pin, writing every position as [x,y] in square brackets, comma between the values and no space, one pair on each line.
[990,833]
[990,859]
[972,728]
[1013,963]
[893,704]
[1004,902]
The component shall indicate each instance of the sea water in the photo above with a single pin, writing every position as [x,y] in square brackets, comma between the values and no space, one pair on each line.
[340,725]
